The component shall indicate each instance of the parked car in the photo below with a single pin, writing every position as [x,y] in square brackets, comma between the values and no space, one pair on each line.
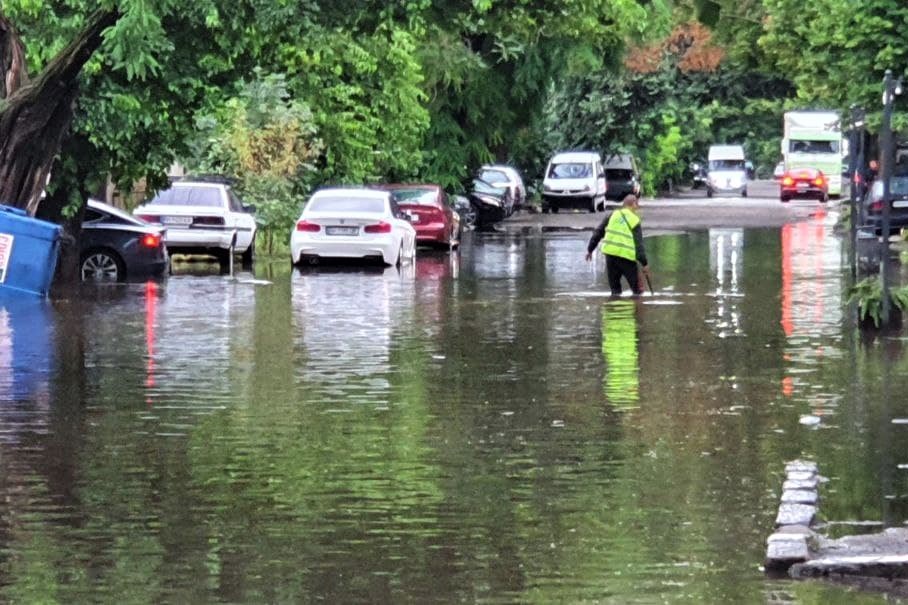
[500,173]
[352,223]
[490,201]
[622,178]
[574,179]
[203,217]
[872,205]
[116,246]
[465,209]
[434,218]
[807,183]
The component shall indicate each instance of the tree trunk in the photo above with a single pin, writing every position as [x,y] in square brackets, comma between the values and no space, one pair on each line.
[37,116]
[12,60]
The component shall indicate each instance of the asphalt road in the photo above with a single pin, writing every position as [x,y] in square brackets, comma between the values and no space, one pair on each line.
[686,211]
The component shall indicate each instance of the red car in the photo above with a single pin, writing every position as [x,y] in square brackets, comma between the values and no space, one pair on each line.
[804,183]
[433,215]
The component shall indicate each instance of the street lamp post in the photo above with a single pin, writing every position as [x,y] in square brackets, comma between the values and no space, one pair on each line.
[855,166]
[891,88]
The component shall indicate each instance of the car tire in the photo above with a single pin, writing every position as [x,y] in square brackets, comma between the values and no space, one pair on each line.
[784,199]
[223,257]
[824,199]
[101,264]
[709,192]
[744,192]
[592,206]
[554,209]
[248,257]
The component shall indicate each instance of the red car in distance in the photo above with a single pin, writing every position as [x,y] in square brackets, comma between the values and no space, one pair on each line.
[807,183]
[433,216]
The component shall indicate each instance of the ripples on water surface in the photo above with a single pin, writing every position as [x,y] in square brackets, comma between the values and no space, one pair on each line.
[486,427]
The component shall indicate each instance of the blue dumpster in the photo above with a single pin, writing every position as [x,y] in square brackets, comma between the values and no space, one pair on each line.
[28,251]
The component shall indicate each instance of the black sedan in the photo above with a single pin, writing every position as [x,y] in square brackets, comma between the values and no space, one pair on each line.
[872,207]
[116,246]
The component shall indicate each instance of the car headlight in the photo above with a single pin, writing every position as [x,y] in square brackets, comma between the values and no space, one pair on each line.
[546,188]
[490,200]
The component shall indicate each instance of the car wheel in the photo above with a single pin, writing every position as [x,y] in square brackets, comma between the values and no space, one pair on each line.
[824,199]
[248,257]
[784,199]
[102,265]
[592,207]
[554,209]
[224,257]
[709,192]
[744,192]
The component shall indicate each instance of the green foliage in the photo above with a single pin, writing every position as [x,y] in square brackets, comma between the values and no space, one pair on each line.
[868,295]
[268,142]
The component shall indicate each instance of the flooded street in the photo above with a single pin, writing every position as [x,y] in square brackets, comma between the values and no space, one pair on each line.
[485,427]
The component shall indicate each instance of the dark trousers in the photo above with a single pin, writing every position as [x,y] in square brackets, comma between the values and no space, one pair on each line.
[615,267]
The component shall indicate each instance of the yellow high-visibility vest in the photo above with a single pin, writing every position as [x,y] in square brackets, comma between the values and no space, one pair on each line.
[619,236]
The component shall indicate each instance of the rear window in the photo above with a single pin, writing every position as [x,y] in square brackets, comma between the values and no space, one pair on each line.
[571,170]
[423,197]
[493,176]
[346,204]
[209,197]
[898,186]
[619,174]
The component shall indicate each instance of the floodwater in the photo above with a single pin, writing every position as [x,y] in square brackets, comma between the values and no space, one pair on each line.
[485,427]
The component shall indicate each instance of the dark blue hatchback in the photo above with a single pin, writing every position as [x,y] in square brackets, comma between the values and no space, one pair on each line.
[872,208]
[116,246]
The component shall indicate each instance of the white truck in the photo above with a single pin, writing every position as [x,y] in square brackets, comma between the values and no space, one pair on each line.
[813,139]
[726,170]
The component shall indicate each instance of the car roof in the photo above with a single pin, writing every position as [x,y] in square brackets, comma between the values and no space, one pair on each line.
[576,156]
[199,184]
[352,191]
[390,186]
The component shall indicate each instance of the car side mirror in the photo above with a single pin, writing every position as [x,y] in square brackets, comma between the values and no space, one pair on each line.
[250,208]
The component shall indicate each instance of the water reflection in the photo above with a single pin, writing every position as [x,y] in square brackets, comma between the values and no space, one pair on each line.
[619,349]
[26,359]
[726,260]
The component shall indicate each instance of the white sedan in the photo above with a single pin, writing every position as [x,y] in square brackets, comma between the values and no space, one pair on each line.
[352,223]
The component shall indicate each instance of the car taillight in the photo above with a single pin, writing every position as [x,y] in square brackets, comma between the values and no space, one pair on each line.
[818,181]
[380,227]
[150,218]
[208,220]
[877,205]
[151,240]
[788,181]
[308,227]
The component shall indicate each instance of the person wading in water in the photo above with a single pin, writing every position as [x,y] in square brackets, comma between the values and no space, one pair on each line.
[621,234]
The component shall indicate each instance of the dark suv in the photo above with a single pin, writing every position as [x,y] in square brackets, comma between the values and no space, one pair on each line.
[621,177]
[872,207]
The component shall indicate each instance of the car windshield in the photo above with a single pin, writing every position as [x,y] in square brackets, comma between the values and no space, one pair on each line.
[493,176]
[619,174]
[338,203]
[813,146]
[209,197]
[423,197]
[571,170]
[726,164]
[482,186]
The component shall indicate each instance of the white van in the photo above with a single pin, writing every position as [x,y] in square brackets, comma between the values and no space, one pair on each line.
[726,171]
[574,179]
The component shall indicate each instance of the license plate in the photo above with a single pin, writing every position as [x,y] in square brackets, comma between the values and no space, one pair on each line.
[900,204]
[176,220]
[802,186]
[341,230]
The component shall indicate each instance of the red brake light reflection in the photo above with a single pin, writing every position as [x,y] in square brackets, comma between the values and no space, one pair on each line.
[380,227]
[308,227]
